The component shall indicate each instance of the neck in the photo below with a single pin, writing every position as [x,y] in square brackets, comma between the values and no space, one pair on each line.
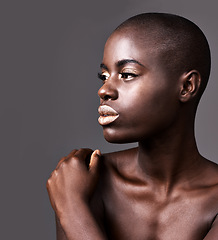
[170,158]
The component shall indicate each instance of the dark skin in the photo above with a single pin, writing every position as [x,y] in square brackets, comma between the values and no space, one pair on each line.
[163,189]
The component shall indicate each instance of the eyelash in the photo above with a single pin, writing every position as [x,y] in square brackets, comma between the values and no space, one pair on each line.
[103,77]
[126,75]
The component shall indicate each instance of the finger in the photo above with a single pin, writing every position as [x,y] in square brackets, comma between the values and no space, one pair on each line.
[81,157]
[94,162]
[53,174]
[65,158]
[72,153]
[83,153]
[59,163]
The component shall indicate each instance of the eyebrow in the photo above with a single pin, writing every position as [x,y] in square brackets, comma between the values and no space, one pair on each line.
[125,61]
[122,63]
[103,66]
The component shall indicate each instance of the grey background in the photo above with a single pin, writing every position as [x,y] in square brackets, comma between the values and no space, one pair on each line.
[50,53]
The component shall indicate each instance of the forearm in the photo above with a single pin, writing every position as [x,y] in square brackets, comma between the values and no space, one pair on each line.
[59,230]
[213,233]
[78,223]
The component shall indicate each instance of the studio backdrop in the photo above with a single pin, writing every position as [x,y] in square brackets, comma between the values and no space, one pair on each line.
[50,56]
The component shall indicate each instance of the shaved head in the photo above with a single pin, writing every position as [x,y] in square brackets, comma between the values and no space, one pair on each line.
[180,44]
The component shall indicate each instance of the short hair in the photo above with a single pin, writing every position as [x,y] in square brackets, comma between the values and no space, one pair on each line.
[183,45]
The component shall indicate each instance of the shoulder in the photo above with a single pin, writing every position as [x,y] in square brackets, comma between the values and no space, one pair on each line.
[210,173]
[207,178]
[208,183]
[110,163]
[115,165]
[119,158]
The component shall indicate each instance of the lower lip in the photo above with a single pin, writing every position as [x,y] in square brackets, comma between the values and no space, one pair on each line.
[107,119]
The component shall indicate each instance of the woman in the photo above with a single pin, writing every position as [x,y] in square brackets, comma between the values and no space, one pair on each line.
[154,70]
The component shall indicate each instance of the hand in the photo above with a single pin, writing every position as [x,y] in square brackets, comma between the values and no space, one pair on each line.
[72,182]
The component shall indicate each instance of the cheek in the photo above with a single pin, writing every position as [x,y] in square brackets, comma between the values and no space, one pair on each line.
[142,103]
[144,111]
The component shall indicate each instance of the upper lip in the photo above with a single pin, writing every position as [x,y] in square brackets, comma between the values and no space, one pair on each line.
[105,110]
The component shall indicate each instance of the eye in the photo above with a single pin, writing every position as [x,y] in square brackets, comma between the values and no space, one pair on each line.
[128,76]
[103,76]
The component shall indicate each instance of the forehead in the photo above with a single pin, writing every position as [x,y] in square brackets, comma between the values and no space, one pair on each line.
[130,45]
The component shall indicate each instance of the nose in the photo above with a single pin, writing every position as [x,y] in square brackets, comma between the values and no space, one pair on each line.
[108,91]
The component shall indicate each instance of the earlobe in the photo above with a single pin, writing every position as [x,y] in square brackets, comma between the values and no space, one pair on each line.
[189,85]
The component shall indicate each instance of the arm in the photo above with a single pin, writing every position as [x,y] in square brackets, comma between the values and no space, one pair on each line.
[81,225]
[59,230]
[213,233]
[70,188]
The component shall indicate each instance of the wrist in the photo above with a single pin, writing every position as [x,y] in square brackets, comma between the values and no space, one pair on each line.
[79,223]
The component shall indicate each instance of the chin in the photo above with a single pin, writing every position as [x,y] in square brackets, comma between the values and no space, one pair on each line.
[118,141]
[115,136]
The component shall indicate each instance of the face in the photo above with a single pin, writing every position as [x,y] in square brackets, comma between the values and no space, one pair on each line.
[138,99]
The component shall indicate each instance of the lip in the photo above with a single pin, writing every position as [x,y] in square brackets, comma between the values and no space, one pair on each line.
[107,115]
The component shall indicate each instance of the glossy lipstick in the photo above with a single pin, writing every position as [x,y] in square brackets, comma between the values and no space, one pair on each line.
[107,115]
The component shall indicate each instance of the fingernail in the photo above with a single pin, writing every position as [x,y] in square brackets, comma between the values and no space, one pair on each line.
[98,152]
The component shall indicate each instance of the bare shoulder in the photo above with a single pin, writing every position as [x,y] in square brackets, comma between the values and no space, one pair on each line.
[118,163]
[210,179]
[115,159]
[205,186]
[110,164]
[113,165]
[205,181]
[210,173]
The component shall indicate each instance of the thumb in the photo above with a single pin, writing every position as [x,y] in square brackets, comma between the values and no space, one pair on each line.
[94,161]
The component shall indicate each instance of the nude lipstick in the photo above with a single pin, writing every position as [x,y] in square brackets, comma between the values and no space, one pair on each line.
[107,115]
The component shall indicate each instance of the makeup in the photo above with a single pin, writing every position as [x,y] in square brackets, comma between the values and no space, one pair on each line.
[107,115]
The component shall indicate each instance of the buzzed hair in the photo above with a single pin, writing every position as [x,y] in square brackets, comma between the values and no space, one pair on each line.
[182,45]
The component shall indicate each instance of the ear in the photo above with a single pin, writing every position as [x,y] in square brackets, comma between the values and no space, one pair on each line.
[190,83]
